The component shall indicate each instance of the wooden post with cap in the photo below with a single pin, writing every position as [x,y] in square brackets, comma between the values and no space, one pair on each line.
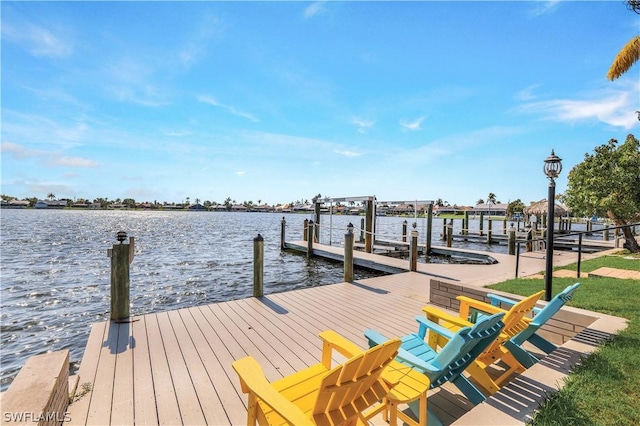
[258,266]
[121,255]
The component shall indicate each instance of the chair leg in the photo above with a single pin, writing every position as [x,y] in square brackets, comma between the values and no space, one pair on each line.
[542,343]
[478,373]
[469,390]
[522,356]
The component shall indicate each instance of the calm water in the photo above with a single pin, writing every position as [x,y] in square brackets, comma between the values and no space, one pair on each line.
[55,273]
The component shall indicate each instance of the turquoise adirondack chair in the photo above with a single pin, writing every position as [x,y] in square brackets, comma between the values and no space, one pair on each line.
[540,317]
[448,364]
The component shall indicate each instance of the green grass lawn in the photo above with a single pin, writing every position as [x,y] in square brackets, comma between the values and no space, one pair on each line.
[605,388]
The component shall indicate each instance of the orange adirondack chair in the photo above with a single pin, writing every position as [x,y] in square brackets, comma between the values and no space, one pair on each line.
[496,351]
[320,394]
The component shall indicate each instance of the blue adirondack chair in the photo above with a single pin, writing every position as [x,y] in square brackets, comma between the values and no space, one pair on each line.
[448,364]
[540,317]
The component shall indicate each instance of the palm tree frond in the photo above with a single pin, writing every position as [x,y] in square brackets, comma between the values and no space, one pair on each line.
[627,56]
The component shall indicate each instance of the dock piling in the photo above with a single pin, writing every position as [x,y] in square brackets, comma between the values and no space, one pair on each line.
[121,256]
[310,239]
[512,240]
[258,266]
[305,230]
[404,231]
[348,254]
[283,224]
[450,233]
[413,251]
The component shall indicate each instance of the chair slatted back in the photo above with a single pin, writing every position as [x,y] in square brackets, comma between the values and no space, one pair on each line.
[547,312]
[349,388]
[464,347]
[513,324]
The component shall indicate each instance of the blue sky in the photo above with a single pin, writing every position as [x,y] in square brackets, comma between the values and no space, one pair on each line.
[279,101]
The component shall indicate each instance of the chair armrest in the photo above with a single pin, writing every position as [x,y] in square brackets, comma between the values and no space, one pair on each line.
[434,314]
[426,323]
[496,300]
[254,382]
[408,358]
[334,341]
[467,303]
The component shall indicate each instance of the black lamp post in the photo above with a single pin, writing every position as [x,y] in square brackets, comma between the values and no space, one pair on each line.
[552,168]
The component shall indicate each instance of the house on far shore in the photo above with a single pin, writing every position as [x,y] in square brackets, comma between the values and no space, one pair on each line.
[14,204]
[51,204]
[499,209]
[197,208]
[238,208]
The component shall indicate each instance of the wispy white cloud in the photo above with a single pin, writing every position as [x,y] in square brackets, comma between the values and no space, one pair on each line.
[362,124]
[313,9]
[19,151]
[527,93]
[197,43]
[412,125]
[347,153]
[73,162]
[39,41]
[613,108]
[230,109]
[46,158]
[451,145]
[543,7]
[240,173]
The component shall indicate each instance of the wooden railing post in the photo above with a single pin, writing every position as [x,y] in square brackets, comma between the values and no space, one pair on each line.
[512,240]
[404,231]
[465,223]
[348,254]
[413,250]
[258,266]
[121,256]
[283,224]
[305,230]
[310,239]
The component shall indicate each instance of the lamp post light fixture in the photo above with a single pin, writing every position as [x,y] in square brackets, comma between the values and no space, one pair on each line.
[552,168]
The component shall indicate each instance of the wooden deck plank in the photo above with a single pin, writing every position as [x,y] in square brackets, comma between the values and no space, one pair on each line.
[166,401]
[122,407]
[145,411]
[274,366]
[262,317]
[190,409]
[100,408]
[218,363]
[269,339]
[205,392]
[79,410]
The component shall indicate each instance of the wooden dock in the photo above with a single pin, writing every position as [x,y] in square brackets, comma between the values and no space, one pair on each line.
[175,367]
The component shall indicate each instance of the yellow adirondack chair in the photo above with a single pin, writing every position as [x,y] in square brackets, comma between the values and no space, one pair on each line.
[513,324]
[320,394]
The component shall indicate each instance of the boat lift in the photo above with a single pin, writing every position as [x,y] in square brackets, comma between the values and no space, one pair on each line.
[370,203]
